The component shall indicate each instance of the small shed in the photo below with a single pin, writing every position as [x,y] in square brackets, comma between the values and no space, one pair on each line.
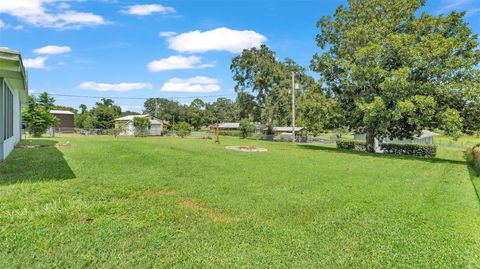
[126,124]
[66,122]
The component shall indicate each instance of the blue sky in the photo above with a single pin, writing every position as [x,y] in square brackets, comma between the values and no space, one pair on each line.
[166,49]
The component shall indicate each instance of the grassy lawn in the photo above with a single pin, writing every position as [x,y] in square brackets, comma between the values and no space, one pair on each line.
[169,202]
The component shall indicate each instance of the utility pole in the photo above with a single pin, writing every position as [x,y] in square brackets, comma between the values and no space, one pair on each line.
[293,107]
[156,109]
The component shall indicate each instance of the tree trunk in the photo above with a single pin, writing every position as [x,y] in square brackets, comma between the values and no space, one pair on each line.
[370,141]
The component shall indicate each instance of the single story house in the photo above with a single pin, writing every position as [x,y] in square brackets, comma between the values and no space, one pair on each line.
[66,123]
[126,124]
[287,130]
[227,126]
[426,137]
[13,96]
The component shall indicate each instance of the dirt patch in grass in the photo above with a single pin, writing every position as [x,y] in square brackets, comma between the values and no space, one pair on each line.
[64,145]
[152,193]
[31,146]
[35,146]
[246,148]
[212,213]
[169,192]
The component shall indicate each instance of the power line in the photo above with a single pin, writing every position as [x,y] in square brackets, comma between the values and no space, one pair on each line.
[137,98]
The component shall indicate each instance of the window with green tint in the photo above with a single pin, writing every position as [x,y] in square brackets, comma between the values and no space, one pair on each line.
[8,112]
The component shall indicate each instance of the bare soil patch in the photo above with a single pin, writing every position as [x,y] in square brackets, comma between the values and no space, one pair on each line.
[169,192]
[31,146]
[212,213]
[246,148]
[64,145]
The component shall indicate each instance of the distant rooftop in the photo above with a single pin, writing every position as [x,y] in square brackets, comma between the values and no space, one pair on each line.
[287,129]
[229,125]
[64,112]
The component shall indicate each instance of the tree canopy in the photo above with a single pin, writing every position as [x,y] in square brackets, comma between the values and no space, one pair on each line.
[395,74]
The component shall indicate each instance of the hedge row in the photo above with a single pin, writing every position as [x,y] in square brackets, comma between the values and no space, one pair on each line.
[422,150]
[473,156]
[350,144]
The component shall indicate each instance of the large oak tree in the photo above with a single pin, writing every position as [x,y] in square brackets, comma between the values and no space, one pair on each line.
[395,74]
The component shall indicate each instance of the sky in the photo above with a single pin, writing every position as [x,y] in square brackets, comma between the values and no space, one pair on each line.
[172,49]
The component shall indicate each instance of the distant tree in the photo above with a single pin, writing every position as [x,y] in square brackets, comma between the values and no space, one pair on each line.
[258,71]
[164,109]
[103,114]
[38,117]
[247,107]
[67,108]
[246,128]
[83,108]
[141,125]
[318,112]
[395,74]
[195,113]
[183,129]
[224,110]
[128,112]
[45,100]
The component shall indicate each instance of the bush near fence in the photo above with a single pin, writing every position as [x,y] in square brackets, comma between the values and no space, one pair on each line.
[351,144]
[422,150]
[473,157]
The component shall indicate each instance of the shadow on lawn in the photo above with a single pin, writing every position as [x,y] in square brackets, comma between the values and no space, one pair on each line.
[378,155]
[35,164]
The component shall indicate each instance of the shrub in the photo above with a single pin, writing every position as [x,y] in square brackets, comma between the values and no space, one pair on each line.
[141,125]
[246,128]
[350,144]
[473,157]
[183,129]
[422,150]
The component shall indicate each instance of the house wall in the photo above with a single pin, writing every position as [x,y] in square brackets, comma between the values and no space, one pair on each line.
[129,129]
[8,144]
[1,118]
[155,129]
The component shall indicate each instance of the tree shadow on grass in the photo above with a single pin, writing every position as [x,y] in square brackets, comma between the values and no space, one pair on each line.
[37,164]
[381,155]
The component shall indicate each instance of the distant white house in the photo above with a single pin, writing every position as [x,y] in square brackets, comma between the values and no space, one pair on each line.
[426,137]
[126,124]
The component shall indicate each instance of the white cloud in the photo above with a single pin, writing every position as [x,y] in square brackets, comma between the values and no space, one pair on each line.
[217,39]
[52,49]
[198,84]
[115,87]
[167,34]
[177,62]
[2,24]
[144,10]
[37,63]
[48,14]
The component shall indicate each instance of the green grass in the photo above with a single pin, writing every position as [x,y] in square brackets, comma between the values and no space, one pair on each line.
[189,203]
